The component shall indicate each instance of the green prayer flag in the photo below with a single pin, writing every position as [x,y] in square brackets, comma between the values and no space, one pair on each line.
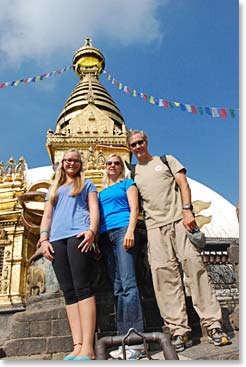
[200,110]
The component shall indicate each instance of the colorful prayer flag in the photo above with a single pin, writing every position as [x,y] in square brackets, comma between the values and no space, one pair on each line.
[193,109]
[215,112]
[200,110]
[223,113]
[188,107]
[208,111]
[151,100]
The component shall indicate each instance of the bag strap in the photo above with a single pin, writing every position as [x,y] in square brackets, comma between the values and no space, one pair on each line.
[165,161]
[132,169]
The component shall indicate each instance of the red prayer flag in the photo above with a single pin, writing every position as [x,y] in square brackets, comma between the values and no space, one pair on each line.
[166,104]
[223,113]
[193,109]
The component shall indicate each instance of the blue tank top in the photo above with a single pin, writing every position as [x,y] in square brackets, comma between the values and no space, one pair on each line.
[114,207]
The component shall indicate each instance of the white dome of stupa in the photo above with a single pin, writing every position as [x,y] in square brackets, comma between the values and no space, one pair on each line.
[217,215]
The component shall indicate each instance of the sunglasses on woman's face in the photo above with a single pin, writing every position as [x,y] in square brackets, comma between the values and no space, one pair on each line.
[69,161]
[109,163]
[139,142]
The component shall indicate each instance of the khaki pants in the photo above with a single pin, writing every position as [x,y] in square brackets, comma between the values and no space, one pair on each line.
[168,249]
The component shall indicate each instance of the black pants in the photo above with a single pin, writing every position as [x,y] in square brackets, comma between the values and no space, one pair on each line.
[73,269]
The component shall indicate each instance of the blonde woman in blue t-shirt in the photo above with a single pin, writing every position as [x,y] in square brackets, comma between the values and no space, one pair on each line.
[118,203]
[67,232]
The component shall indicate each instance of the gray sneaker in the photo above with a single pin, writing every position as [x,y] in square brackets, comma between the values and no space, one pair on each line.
[181,342]
[218,337]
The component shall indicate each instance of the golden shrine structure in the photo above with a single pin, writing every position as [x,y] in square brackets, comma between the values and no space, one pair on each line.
[90,122]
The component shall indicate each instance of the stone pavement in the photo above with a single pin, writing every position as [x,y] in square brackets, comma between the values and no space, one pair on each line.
[199,351]
[205,351]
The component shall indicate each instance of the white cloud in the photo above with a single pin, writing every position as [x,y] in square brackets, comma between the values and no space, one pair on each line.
[38,30]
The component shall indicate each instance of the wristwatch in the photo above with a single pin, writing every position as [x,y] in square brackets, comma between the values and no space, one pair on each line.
[187,207]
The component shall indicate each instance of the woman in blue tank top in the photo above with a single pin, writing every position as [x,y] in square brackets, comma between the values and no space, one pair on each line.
[118,203]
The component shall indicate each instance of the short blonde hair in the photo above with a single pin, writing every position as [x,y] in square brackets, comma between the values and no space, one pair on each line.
[131,132]
[122,173]
[60,179]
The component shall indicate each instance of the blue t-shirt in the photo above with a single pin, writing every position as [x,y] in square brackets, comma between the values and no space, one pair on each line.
[70,213]
[114,207]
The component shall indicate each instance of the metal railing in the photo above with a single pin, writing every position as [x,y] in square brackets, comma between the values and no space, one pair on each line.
[103,344]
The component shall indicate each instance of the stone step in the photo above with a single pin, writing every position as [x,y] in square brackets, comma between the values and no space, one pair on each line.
[200,351]
[40,357]
[37,346]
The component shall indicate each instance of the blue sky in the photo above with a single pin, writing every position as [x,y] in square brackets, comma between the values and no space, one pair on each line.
[185,51]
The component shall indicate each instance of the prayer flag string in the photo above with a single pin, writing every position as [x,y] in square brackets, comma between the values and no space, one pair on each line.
[34,79]
[222,112]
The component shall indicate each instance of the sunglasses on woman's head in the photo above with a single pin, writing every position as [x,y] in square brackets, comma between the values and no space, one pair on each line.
[109,163]
[139,142]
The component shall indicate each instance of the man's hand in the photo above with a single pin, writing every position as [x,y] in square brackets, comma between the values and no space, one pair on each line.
[189,220]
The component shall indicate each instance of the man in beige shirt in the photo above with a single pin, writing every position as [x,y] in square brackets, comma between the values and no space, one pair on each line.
[168,216]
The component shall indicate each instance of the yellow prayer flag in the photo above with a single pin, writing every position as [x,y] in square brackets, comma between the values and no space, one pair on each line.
[151,100]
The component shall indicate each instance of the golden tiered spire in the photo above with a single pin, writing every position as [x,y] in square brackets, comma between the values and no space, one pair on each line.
[90,119]
[88,63]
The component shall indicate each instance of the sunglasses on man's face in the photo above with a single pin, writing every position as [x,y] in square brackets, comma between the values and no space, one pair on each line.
[139,142]
[109,163]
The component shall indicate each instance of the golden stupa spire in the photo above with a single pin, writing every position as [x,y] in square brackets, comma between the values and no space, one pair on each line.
[89,117]
[88,63]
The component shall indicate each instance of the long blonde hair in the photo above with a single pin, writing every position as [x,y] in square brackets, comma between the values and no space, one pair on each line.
[60,179]
[122,173]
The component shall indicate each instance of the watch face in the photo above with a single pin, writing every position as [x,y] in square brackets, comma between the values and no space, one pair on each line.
[187,206]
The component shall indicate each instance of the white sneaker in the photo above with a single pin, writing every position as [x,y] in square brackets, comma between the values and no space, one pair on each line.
[131,354]
[116,353]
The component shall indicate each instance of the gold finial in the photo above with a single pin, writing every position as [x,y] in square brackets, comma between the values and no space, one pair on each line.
[88,59]
[20,168]
[88,42]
